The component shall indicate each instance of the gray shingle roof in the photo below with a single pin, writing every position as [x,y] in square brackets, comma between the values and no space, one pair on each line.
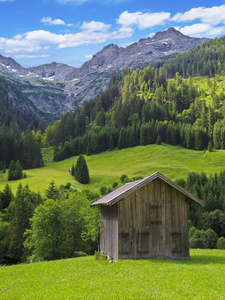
[130,187]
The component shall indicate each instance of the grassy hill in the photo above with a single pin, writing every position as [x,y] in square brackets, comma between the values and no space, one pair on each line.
[105,168]
[200,277]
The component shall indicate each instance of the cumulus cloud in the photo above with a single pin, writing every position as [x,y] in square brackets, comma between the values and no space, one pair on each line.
[213,15]
[49,21]
[95,26]
[34,41]
[196,29]
[202,30]
[212,20]
[142,20]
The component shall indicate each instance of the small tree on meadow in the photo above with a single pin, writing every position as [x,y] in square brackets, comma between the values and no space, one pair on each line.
[81,172]
[51,192]
[15,170]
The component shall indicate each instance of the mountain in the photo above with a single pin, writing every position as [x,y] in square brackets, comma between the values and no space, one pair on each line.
[17,110]
[56,88]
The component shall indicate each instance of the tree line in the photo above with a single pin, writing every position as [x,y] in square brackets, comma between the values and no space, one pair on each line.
[22,147]
[207,224]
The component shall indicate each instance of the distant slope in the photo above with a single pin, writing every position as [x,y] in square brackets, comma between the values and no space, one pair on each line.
[207,59]
[16,110]
[57,88]
[174,162]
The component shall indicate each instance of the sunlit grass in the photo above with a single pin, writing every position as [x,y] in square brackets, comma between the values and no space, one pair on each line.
[172,161]
[200,277]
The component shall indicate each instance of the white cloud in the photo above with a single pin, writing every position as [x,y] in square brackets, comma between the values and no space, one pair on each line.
[202,30]
[34,41]
[49,21]
[142,20]
[212,15]
[77,2]
[196,29]
[95,26]
[88,56]
[30,56]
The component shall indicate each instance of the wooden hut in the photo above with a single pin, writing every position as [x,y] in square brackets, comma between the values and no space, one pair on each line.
[146,218]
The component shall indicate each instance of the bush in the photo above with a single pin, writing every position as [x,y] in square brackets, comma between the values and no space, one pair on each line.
[15,170]
[198,240]
[220,243]
[68,185]
[103,190]
[123,178]
[212,238]
[114,185]
[100,256]
[79,254]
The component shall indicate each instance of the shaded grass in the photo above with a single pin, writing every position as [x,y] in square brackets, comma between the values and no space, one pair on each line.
[172,161]
[200,277]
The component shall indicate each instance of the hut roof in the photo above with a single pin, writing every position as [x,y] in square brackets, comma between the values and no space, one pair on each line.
[130,187]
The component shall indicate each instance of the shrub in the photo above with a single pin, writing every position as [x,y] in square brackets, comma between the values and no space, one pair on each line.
[212,238]
[114,185]
[123,178]
[103,190]
[68,185]
[79,254]
[15,170]
[198,240]
[100,256]
[220,243]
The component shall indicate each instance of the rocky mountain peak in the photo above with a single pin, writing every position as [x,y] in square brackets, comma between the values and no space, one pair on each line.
[60,87]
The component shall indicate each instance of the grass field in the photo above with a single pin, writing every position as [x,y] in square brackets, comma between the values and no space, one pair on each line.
[172,161]
[200,277]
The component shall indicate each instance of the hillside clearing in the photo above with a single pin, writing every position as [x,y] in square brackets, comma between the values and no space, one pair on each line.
[172,161]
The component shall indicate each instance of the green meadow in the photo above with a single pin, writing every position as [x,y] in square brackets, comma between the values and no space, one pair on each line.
[199,277]
[105,168]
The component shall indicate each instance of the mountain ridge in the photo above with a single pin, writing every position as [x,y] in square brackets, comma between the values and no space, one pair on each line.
[57,88]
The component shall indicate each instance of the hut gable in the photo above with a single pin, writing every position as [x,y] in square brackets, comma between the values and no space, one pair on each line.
[146,218]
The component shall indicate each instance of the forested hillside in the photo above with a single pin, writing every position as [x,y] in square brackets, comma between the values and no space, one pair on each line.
[207,59]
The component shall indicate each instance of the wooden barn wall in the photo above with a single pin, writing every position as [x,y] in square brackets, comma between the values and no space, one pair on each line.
[153,221]
[109,236]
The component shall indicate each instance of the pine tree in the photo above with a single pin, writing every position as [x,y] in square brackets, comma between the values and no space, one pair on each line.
[81,172]
[51,192]
[15,170]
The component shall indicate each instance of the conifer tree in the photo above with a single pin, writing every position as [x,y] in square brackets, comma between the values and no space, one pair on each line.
[51,192]
[15,170]
[81,172]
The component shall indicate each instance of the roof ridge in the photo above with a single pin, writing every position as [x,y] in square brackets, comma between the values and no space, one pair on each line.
[129,187]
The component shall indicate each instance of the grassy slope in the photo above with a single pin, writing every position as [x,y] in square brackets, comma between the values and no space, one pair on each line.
[172,161]
[200,277]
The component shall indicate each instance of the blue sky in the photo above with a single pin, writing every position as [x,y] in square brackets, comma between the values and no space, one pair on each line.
[71,31]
